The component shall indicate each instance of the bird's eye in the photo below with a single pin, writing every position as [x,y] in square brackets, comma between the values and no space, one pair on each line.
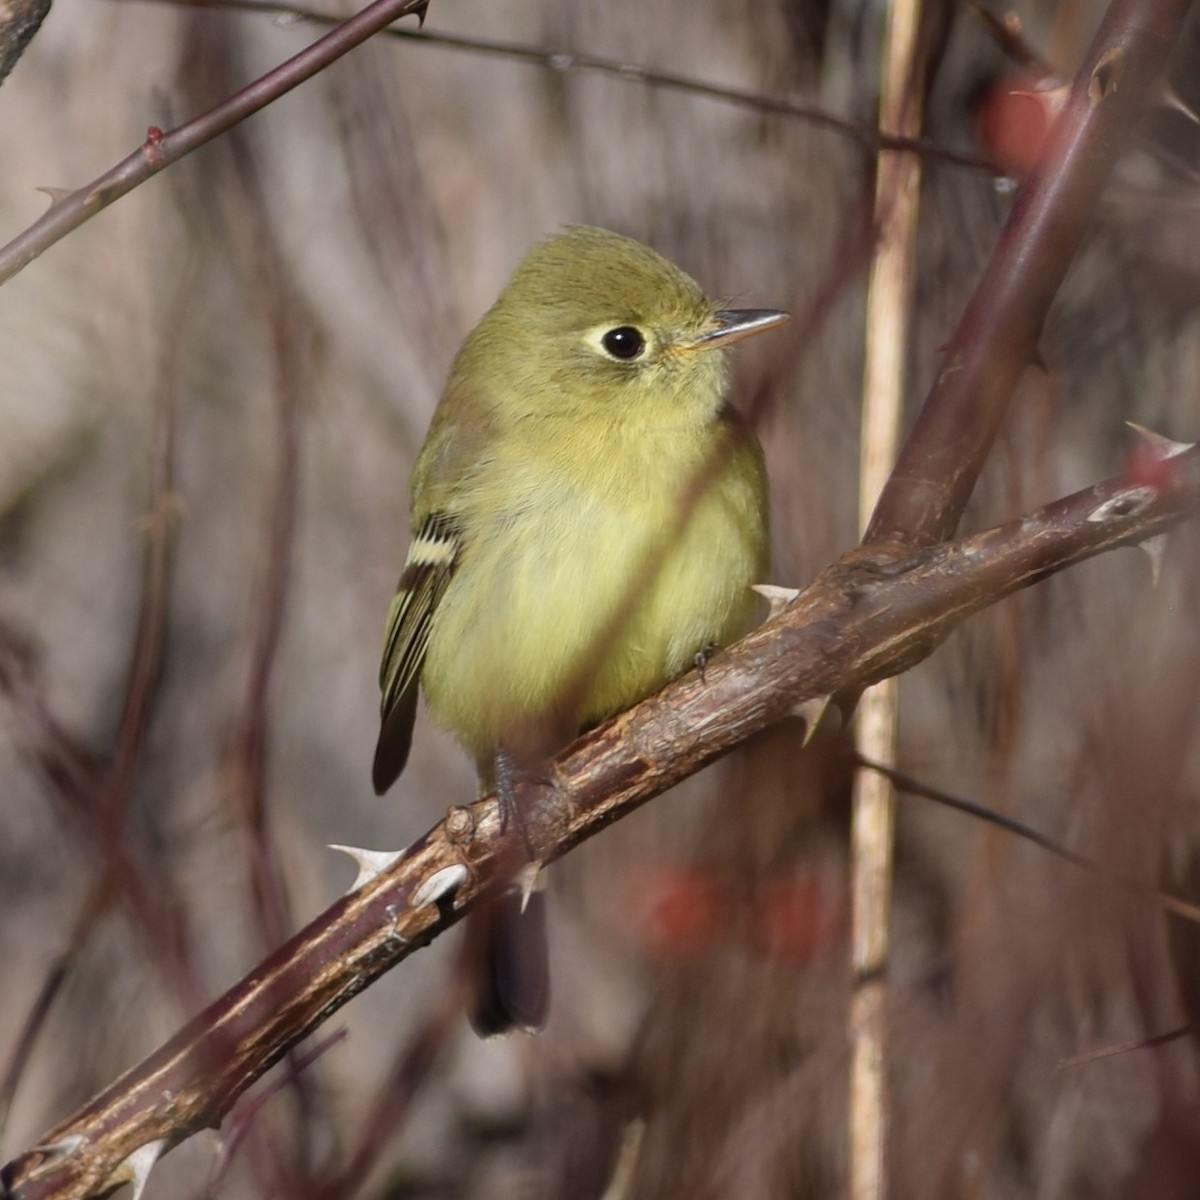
[624,342]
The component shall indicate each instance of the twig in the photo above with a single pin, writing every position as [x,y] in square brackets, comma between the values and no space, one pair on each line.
[1145,1043]
[246,758]
[386,1115]
[161,149]
[916,787]
[1007,33]
[868,136]
[248,1113]
[100,801]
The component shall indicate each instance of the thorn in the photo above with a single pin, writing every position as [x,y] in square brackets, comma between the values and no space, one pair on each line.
[57,195]
[628,1154]
[531,881]
[135,1169]
[777,597]
[439,885]
[1161,447]
[1169,98]
[1106,75]
[370,863]
[420,10]
[1156,551]
[55,1152]
[812,711]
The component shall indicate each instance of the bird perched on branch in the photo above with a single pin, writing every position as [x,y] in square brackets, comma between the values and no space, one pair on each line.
[588,515]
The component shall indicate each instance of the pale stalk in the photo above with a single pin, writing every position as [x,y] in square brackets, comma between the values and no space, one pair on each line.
[896,199]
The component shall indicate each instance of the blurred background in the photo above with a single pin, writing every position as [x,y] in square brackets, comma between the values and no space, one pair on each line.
[210,399]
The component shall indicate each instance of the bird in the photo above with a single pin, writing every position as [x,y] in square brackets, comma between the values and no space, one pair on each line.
[588,514]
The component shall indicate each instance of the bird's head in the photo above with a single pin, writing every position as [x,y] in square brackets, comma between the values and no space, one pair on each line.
[593,319]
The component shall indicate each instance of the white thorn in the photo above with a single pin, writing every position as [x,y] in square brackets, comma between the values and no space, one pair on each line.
[441,883]
[1160,447]
[135,1168]
[55,1152]
[370,862]
[1170,98]
[777,597]
[531,880]
[1156,551]
[812,711]
[630,1151]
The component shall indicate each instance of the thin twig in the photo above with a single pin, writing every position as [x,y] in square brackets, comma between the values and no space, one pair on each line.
[161,149]
[246,758]
[386,1115]
[917,787]
[868,136]
[248,1113]
[1006,31]
[1145,1043]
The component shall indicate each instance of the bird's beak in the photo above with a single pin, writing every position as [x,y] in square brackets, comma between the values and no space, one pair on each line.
[732,324]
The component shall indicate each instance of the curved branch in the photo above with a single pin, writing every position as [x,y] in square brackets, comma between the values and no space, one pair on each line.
[161,149]
[867,617]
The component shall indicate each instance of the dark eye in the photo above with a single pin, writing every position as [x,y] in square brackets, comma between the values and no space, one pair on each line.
[623,342]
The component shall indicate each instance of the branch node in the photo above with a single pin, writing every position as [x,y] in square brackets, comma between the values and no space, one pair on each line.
[1128,503]
[459,825]
[1106,74]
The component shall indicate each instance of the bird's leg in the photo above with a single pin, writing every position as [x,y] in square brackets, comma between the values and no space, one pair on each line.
[701,657]
[506,774]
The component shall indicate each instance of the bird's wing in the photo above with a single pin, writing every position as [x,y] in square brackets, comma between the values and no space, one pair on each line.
[429,567]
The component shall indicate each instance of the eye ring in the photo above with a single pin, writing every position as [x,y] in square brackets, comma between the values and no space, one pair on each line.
[625,342]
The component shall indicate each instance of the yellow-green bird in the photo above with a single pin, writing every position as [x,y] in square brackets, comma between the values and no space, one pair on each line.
[588,515]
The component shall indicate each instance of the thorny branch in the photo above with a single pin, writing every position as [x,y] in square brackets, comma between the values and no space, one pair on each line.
[868,616]
[70,210]
[872,615]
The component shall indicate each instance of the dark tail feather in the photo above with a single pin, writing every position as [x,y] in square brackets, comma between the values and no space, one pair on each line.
[508,965]
[395,738]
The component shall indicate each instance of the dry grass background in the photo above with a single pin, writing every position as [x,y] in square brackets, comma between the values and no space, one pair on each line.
[293,294]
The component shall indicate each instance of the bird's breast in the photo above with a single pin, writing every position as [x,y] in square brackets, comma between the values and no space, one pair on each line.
[587,589]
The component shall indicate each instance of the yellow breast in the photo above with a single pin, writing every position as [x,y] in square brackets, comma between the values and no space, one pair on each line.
[599,590]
